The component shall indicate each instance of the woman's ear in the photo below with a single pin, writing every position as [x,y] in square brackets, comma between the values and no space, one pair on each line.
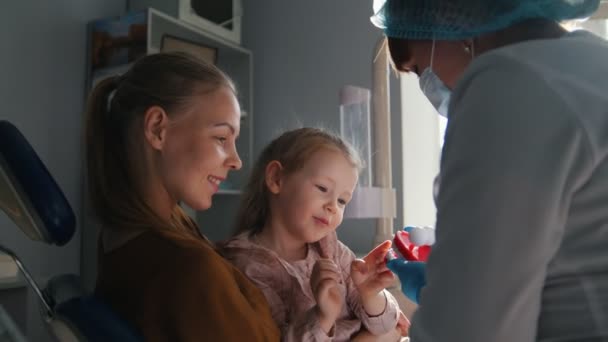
[274,176]
[155,123]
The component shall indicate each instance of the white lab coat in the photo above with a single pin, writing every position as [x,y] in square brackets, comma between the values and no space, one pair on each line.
[522,226]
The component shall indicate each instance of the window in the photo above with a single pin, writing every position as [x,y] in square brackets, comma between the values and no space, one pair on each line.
[422,136]
[443,124]
[597,26]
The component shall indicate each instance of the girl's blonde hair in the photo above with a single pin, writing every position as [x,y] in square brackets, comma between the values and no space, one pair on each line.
[114,134]
[292,149]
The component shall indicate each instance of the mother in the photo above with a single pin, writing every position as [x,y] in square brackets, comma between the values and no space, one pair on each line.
[162,134]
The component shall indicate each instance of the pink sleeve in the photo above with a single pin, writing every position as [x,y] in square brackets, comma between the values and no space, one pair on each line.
[376,325]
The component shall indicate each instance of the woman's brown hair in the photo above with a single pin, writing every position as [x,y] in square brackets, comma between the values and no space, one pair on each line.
[114,133]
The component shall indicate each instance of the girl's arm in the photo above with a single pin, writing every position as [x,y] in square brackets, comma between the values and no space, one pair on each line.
[378,324]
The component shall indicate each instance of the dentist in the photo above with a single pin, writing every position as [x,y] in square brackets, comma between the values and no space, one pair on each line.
[522,222]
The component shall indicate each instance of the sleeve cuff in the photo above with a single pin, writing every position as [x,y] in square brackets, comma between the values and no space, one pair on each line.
[387,320]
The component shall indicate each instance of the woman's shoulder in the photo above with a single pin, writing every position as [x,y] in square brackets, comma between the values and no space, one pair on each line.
[175,252]
[197,263]
[178,243]
[167,262]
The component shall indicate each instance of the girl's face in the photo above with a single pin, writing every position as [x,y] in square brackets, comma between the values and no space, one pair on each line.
[309,204]
[199,148]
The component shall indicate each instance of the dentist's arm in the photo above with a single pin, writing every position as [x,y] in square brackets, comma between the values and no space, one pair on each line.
[514,155]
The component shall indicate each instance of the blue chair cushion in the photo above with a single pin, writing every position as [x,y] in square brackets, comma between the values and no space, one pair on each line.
[36,186]
[96,321]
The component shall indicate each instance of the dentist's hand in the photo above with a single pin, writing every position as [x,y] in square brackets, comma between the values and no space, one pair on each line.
[412,276]
[371,276]
[328,288]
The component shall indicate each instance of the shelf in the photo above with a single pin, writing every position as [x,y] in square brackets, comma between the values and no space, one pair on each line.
[197,32]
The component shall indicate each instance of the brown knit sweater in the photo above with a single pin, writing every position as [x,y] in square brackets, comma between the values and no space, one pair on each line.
[176,288]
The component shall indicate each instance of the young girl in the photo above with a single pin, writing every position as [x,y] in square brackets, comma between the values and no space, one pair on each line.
[164,133]
[286,243]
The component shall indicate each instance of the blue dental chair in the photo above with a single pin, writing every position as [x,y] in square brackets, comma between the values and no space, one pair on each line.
[32,200]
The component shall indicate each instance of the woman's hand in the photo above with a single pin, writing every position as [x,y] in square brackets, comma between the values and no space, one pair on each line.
[370,275]
[327,287]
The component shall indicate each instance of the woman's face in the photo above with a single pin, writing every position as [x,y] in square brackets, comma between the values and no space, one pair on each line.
[450,58]
[200,149]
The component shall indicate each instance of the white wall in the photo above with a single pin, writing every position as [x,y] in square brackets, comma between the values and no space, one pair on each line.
[42,77]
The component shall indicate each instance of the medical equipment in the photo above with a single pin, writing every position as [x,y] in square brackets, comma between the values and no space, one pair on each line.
[355,126]
[413,245]
[34,202]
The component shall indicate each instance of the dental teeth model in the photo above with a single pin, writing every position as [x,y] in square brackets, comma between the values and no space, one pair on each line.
[408,262]
[414,243]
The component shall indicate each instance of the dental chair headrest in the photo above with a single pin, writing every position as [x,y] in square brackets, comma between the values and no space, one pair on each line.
[28,192]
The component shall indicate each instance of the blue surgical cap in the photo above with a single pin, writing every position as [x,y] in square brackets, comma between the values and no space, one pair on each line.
[461,19]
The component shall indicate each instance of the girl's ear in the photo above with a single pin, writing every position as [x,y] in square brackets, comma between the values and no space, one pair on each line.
[274,176]
[155,127]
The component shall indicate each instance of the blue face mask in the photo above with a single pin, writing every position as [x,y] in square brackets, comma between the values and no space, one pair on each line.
[434,88]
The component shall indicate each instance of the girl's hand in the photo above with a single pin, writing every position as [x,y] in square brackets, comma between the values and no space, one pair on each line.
[328,289]
[370,275]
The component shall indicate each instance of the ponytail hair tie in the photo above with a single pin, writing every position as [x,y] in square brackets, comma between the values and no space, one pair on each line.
[115,84]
